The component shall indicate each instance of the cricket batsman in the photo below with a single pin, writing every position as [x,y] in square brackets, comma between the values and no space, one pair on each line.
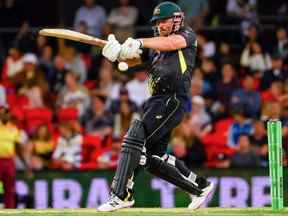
[146,141]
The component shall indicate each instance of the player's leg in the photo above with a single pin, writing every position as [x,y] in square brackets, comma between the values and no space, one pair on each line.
[172,169]
[166,166]
[175,171]
[129,159]
[9,178]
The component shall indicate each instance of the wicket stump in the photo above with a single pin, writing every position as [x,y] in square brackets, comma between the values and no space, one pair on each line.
[274,129]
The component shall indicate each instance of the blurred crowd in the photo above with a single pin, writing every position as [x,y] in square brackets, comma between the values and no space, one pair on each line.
[69,107]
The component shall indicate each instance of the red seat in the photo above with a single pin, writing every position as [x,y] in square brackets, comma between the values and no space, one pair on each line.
[16,100]
[36,117]
[19,114]
[91,148]
[67,114]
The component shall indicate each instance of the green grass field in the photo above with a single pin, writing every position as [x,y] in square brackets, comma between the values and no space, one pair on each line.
[150,212]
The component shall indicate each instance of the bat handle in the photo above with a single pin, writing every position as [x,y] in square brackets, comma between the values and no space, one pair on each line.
[97,42]
[122,66]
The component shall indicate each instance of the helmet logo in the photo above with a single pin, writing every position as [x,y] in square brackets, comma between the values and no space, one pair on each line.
[156,12]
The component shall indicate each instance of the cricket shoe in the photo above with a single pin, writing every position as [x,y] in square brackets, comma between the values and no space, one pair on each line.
[198,201]
[115,203]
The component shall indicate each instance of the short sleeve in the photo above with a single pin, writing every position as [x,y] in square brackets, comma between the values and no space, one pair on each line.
[190,37]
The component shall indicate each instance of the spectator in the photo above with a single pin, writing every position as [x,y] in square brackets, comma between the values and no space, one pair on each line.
[210,74]
[74,62]
[181,151]
[57,76]
[276,73]
[259,142]
[199,121]
[225,55]
[114,106]
[108,158]
[271,110]
[247,97]
[46,60]
[138,87]
[281,47]
[186,146]
[25,39]
[241,12]
[244,156]
[10,139]
[123,19]
[123,119]
[198,77]
[240,125]
[67,154]
[251,35]
[40,148]
[93,15]
[13,64]
[31,82]
[207,48]
[197,86]
[98,121]
[228,84]
[28,72]
[274,93]
[195,12]
[74,94]
[41,42]
[255,59]
[106,84]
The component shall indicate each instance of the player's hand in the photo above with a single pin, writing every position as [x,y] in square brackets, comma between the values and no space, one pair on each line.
[112,49]
[130,49]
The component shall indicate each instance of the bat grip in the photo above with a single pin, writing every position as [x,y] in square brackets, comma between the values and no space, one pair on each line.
[102,43]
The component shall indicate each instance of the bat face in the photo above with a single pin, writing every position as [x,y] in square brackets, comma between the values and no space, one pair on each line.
[72,35]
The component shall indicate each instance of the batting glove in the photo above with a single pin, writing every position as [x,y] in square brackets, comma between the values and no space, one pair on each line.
[130,49]
[112,49]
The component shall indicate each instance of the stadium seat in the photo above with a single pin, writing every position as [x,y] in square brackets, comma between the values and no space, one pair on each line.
[67,114]
[91,148]
[36,117]
[15,100]
[19,114]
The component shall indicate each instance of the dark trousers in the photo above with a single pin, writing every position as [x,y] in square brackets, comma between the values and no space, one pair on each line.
[8,176]
[161,115]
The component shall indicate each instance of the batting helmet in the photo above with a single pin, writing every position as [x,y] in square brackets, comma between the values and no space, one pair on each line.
[167,10]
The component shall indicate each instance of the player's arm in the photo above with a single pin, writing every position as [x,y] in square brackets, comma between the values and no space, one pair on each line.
[170,43]
[112,50]
[130,48]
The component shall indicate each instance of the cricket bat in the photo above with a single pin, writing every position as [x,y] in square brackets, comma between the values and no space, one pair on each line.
[80,37]
[73,35]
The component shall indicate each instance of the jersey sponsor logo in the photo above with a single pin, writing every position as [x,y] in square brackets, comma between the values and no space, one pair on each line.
[159,117]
